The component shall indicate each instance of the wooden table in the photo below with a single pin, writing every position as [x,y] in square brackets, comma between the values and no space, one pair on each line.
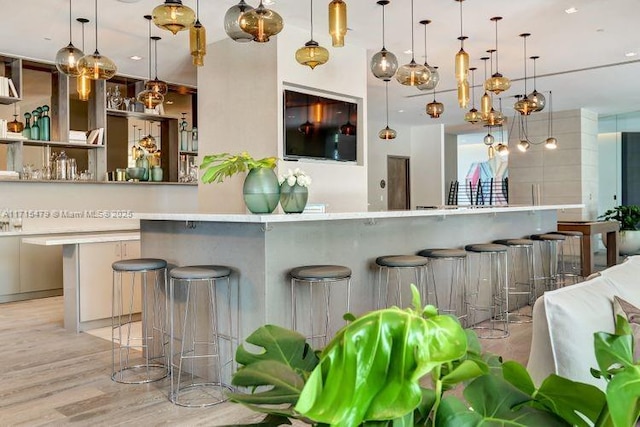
[589,228]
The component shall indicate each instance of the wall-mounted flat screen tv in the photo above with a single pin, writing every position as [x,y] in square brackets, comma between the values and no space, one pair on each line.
[318,127]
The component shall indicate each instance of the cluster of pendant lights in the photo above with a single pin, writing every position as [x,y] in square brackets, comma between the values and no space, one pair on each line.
[384,66]
[243,23]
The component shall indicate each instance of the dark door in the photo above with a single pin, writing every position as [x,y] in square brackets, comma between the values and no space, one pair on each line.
[398,192]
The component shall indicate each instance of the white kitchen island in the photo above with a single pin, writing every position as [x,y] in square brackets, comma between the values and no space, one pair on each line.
[261,249]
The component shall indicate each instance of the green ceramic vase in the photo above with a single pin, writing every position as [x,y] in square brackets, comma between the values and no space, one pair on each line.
[261,190]
[293,199]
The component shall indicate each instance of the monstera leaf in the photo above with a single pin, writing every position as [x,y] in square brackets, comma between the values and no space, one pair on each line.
[370,371]
[283,366]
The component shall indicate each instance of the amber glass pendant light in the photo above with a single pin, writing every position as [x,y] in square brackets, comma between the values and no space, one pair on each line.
[435,108]
[384,64]
[434,76]
[538,99]
[261,23]
[412,74]
[387,133]
[173,16]
[96,66]
[486,103]
[497,83]
[232,20]
[473,116]
[156,84]
[149,97]
[312,54]
[68,57]
[524,105]
[83,82]
[337,22]
[197,40]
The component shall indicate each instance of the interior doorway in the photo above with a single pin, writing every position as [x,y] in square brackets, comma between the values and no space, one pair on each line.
[399,186]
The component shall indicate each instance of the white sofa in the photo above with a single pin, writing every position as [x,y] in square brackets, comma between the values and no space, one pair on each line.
[565,320]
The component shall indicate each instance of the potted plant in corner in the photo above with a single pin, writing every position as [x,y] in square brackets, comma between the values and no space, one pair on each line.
[629,218]
[261,189]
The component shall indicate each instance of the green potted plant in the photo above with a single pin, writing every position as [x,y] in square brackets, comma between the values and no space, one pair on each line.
[396,367]
[261,189]
[629,217]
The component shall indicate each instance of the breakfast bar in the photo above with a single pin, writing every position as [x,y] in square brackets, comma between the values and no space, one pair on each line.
[261,249]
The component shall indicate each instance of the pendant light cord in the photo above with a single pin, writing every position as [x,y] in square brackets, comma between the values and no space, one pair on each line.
[96,12]
[82,36]
[149,20]
[473,88]
[70,36]
[461,32]
[534,72]
[550,114]
[412,41]
[425,42]
[497,68]
[311,19]
[386,90]
[383,25]
[198,11]
[524,36]
[155,46]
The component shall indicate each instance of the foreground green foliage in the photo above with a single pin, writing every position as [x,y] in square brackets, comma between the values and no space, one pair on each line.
[396,367]
[627,216]
[217,167]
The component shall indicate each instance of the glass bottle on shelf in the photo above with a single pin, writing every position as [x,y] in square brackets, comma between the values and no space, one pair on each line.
[45,124]
[143,162]
[184,134]
[194,139]
[116,98]
[26,132]
[35,129]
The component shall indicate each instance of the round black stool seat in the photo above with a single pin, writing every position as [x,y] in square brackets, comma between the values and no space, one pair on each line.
[139,264]
[400,261]
[443,253]
[200,272]
[514,242]
[485,247]
[548,236]
[316,273]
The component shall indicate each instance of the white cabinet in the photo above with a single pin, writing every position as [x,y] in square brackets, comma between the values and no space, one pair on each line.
[40,268]
[95,292]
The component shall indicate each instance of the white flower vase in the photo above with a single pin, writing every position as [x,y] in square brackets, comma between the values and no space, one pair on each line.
[293,199]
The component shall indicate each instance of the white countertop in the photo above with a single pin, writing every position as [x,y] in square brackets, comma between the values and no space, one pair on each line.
[271,218]
[75,239]
[72,229]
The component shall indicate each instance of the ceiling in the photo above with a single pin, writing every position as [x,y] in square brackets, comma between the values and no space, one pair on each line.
[582,55]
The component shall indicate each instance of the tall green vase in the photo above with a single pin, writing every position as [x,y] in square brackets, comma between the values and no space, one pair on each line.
[261,190]
[293,199]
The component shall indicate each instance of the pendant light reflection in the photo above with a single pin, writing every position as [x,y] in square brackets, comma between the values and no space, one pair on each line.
[83,82]
[173,16]
[312,54]
[387,133]
[497,83]
[68,57]
[261,23]
[149,97]
[384,64]
[232,22]
[434,76]
[348,129]
[197,40]
[97,66]
[412,74]
[156,84]
[306,128]
[337,22]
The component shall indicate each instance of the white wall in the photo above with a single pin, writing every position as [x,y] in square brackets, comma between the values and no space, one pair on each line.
[240,106]
[609,171]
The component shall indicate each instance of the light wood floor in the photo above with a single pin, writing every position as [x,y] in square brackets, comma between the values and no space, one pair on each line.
[50,376]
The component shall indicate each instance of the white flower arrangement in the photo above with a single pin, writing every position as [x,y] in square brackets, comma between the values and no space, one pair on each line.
[296,176]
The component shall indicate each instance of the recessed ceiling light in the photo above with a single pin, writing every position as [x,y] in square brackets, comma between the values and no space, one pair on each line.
[630,54]
[136,57]
[400,111]
[408,51]
[571,10]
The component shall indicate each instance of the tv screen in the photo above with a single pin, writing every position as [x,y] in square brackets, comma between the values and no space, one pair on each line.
[320,128]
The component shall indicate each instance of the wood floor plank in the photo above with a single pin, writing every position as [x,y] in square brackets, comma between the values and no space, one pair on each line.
[51,376]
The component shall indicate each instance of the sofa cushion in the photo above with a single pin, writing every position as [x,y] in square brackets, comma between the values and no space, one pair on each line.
[630,312]
[572,315]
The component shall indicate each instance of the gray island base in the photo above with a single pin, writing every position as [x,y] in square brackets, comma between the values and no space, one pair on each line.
[261,249]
